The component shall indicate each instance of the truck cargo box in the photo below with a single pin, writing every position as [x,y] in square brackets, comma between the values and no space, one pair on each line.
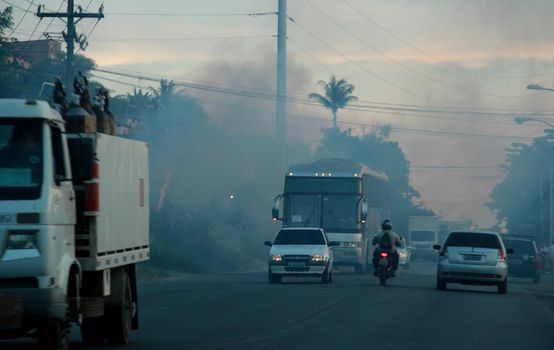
[111,182]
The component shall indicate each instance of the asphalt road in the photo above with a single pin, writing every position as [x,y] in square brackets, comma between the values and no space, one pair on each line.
[241,311]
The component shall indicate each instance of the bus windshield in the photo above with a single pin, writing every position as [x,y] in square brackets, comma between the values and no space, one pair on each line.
[334,213]
[303,211]
[20,159]
[340,212]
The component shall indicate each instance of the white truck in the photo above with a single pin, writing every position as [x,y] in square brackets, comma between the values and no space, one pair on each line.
[74,221]
[423,233]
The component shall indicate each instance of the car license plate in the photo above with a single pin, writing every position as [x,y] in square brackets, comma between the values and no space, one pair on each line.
[297,264]
[11,311]
[471,257]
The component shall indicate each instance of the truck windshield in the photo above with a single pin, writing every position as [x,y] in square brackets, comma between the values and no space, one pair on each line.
[423,236]
[20,159]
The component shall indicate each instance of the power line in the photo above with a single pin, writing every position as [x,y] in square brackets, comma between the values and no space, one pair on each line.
[14,6]
[167,14]
[455,167]
[367,70]
[392,59]
[190,39]
[297,101]
[389,109]
[372,21]
[21,19]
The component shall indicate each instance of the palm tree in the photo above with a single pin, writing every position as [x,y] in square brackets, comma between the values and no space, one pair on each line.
[338,94]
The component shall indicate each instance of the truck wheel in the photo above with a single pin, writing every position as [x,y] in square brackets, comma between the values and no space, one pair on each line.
[53,335]
[93,331]
[119,314]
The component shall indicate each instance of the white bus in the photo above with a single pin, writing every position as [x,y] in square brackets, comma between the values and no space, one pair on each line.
[347,199]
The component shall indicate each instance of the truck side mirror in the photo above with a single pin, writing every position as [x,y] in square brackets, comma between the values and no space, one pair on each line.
[364,211]
[268,243]
[275,214]
[436,246]
[509,251]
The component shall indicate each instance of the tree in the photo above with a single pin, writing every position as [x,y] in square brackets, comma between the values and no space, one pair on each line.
[6,22]
[337,95]
[521,200]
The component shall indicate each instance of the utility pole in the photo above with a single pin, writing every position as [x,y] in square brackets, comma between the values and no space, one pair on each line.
[71,37]
[281,107]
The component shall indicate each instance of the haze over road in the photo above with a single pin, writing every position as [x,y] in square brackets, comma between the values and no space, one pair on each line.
[241,311]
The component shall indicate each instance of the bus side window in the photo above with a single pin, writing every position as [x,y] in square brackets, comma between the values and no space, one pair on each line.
[57,153]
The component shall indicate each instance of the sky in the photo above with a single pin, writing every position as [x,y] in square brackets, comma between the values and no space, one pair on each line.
[448,76]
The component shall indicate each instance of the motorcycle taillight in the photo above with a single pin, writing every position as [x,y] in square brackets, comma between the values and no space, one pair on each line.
[384,254]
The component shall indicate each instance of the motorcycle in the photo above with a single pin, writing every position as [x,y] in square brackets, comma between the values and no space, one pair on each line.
[384,268]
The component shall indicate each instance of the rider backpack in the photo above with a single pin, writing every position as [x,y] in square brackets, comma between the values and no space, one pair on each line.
[385,241]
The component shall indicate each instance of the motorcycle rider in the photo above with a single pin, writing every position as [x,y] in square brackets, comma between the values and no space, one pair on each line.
[387,240]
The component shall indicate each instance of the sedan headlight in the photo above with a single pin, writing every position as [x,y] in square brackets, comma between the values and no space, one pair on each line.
[276,258]
[351,244]
[318,258]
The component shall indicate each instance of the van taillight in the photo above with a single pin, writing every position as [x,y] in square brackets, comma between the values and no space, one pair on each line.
[501,255]
[92,191]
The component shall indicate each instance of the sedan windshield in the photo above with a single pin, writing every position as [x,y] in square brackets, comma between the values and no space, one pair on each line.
[469,239]
[300,237]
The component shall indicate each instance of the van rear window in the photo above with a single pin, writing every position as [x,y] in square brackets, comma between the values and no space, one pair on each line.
[471,239]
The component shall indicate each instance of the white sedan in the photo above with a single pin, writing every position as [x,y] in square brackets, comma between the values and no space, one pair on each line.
[301,252]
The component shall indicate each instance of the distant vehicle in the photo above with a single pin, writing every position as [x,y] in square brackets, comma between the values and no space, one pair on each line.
[343,197]
[474,258]
[447,226]
[423,233]
[404,255]
[524,262]
[301,252]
